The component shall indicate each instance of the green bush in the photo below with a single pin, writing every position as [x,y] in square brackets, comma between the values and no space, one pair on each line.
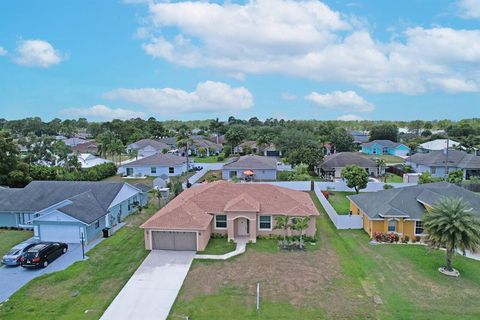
[220,158]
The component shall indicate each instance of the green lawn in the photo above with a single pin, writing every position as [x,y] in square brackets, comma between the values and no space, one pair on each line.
[211,159]
[9,238]
[388,158]
[393,178]
[147,180]
[346,278]
[85,289]
[210,176]
[340,202]
[219,246]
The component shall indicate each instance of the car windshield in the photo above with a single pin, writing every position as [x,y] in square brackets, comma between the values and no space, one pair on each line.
[13,252]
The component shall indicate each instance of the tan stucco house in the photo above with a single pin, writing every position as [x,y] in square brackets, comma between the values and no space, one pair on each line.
[238,210]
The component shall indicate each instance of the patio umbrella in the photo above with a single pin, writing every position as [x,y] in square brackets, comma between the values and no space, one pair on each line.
[248,172]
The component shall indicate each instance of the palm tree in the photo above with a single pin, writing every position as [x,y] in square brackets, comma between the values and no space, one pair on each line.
[282,222]
[157,194]
[183,141]
[381,166]
[452,225]
[301,224]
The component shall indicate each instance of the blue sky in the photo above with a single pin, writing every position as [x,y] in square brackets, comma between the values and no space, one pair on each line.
[393,60]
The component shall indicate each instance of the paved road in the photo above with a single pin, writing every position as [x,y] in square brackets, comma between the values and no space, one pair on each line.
[153,288]
[13,278]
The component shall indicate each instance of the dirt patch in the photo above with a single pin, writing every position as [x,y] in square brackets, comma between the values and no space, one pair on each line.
[313,279]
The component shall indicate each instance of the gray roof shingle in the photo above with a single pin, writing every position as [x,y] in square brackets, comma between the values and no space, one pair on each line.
[84,207]
[159,159]
[407,202]
[157,145]
[342,159]
[456,158]
[252,162]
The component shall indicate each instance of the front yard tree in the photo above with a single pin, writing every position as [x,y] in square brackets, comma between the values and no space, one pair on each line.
[283,223]
[357,178]
[382,164]
[341,140]
[455,176]
[235,135]
[452,225]
[301,224]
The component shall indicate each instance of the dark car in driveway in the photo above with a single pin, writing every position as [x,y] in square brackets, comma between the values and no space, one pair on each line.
[42,254]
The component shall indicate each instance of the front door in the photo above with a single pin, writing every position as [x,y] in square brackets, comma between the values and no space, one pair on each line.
[129,172]
[242,227]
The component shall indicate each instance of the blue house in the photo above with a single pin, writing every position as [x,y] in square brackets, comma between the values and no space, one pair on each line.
[68,211]
[385,147]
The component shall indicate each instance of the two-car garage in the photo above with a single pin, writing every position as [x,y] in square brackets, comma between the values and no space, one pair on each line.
[174,240]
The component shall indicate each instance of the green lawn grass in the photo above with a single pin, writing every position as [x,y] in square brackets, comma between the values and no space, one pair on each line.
[85,289]
[393,178]
[211,159]
[219,246]
[210,176]
[388,158]
[393,281]
[147,180]
[9,238]
[339,201]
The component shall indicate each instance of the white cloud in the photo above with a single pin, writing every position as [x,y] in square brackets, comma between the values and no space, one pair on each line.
[349,117]
[3,51]
[308,39]
[103,112]
[288,96]
[469,9]
[37,53]
[208,96]
[341,100]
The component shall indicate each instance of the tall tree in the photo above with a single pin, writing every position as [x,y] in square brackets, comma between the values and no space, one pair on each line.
[356,177]
[235,135]
[385,131]
[341,140]
[452,225]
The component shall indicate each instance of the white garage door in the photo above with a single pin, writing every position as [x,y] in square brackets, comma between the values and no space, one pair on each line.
[65,233]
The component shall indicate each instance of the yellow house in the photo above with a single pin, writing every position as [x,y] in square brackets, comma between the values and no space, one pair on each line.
[401,210]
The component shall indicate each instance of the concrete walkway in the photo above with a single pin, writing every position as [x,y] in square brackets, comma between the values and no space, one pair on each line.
[241,246]
[153,288]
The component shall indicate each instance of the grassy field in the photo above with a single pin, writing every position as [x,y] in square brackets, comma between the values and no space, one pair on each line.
[340,202]
[219,246]
[85,289]
[147,180]
[211,159]
[346,278]
[393,178]
[387,157]
[9,238]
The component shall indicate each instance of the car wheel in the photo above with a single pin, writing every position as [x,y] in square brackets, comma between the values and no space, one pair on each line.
[45,264]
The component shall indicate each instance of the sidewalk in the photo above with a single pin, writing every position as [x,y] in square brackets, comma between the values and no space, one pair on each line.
[241,246]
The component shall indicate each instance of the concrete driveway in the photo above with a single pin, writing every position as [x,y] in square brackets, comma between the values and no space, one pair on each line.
[13,278]
[153,288]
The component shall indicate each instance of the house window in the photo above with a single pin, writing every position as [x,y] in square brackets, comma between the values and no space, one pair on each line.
[265,223]
[233,174]
[392,226]
[171,170]
[97,224]
[418,227]
[385,150]
[433,170]
[220,221]
[153,170]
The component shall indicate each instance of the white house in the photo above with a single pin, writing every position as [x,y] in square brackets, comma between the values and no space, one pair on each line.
[148,147]
[155,165]
[88,160]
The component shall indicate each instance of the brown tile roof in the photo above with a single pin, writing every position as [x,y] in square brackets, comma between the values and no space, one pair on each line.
[193,208]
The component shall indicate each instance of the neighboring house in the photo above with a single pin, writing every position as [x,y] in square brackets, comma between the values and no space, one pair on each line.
[88,160]
[267,150]
[359,137]
[155,166]
[72,142]
[238,210]
[435,162]
[148,147]
[401,210]
[87,147]
[194,146]
[385,147]
[251,167]
[438,144]
[66,210]
[331,167]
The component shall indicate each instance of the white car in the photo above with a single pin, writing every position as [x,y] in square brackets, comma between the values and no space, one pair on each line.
[12,258]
